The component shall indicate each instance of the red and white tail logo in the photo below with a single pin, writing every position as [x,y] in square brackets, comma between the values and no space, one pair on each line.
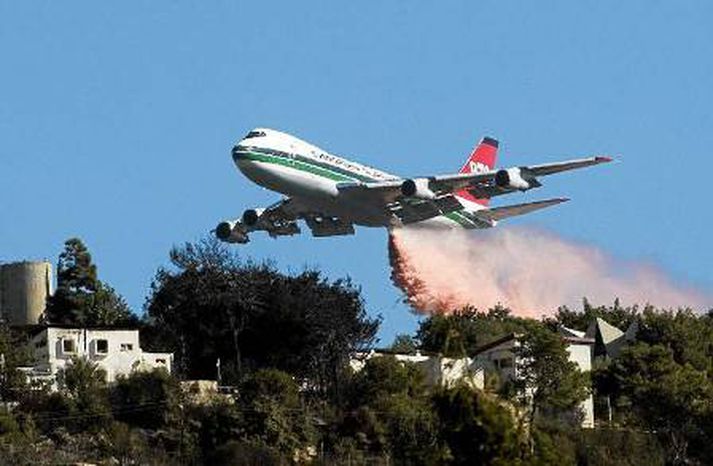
[481,160]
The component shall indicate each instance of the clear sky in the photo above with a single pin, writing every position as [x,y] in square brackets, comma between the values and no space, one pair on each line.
[117,120]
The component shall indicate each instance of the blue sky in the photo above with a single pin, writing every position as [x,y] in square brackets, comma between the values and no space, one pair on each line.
[116,120]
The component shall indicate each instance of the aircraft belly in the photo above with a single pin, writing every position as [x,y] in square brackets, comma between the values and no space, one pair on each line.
[286,180]
[316,191]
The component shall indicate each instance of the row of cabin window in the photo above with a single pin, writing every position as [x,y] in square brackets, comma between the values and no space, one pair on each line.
[102,346]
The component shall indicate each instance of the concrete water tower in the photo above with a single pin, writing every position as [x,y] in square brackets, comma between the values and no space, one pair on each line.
[24,289]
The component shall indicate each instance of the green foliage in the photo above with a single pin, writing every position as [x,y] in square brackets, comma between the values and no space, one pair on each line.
[215,424]
[236,453]
[477,429]
[147,399]
[671,398]
[411,429]
[273,411]
[81,298]
[461,333]
[84,384]
[618,316]
[689,336]
[624,447]
[547,380]
[404,344]
[13,353]
[127,447]
[251,316]
[382,376]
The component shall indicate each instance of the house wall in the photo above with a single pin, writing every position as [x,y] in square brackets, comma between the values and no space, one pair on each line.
[581,354]
[117,352]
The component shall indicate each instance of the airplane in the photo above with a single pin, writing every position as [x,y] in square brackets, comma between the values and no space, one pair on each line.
[332,194]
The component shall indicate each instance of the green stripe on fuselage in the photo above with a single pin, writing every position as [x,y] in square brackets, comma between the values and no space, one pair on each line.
[306,165]
[460,219]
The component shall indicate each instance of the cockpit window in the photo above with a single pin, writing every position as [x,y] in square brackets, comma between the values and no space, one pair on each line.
[255,134]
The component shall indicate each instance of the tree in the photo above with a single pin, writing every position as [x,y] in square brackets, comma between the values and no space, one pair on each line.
[464,331]
[404,344]
[382,376]
[147,399]
[212,305]
[616,315]
[548,382]
[201,308]
[13,353]
[391,413]
[81,298]
[478,430]
[669,398]
[273,412]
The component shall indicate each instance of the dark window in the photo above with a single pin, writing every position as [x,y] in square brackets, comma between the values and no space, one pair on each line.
[68,345]
[102,346]
[255,134]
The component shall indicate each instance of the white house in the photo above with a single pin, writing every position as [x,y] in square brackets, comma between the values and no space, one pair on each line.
[116,351]
[499,357]
[437,370]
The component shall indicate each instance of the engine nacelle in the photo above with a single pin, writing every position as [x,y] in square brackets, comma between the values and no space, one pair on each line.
[418,187]
[513,178]
[252,216]
[231,232]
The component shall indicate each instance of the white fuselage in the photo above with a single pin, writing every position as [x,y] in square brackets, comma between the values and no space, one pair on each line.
[295,168]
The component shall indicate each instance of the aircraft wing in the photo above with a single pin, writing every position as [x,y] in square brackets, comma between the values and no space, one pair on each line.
[499,213]
[482,185]
[280,219]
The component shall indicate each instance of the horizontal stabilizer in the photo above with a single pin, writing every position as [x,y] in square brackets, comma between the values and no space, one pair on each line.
[499,213]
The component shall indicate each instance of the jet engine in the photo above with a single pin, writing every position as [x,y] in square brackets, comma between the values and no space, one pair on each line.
[418,187]
[231,232]
[514,178]
[252,216]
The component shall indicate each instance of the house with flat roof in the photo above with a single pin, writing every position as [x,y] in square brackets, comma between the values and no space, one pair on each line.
[116,351]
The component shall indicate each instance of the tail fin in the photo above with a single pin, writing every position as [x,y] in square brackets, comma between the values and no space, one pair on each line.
[482,159]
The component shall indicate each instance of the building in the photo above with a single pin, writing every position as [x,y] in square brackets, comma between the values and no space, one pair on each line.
[499,358]
[609,340]
[24,289]
[437,370]
[116,351]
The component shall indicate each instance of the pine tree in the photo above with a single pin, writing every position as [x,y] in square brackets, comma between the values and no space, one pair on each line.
[81,298]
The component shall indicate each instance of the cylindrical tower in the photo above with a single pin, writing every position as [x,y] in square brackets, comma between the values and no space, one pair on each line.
[24,289]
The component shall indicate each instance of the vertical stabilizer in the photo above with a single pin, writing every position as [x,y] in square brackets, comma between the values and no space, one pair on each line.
[481,160]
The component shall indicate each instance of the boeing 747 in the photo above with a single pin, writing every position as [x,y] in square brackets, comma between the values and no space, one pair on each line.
[332,194]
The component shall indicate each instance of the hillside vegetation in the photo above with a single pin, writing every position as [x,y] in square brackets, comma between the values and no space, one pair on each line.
[284,342]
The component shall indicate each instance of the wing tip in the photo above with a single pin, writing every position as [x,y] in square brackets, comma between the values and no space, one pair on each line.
[603,159]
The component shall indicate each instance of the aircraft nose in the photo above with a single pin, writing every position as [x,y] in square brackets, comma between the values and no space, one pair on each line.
[237,152]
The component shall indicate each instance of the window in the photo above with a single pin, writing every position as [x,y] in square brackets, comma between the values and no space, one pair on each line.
[102,346]
[505,363]
[68,345]
[255,134]
[161,361]
[127,347]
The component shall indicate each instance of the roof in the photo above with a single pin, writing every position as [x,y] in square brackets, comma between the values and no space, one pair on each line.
[607,331]
[570,332]
[494,343]
[36,329]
